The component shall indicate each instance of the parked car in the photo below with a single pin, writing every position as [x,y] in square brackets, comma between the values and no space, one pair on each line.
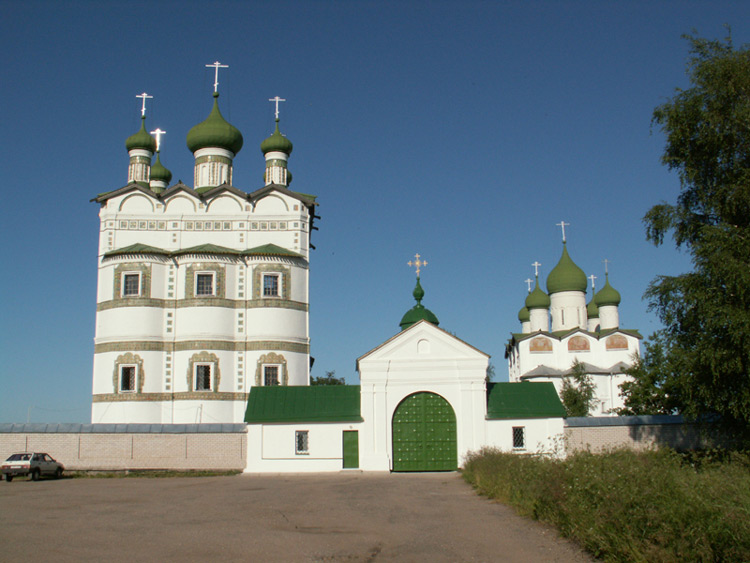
[34,464]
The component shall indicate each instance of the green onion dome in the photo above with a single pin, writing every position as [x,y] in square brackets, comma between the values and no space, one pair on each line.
[141,140]
[418,312]
[607,295]
[537,299]
[159,172]
[215,131]
[566,276]
[523,315]
[277,143]
[592,309]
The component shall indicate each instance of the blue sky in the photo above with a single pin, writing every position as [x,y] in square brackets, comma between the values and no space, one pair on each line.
[460,130]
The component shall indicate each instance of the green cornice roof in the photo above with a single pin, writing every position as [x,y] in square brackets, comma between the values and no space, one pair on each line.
[265,250]
[320,403]
[560,334]
[566,276]
[607,295]
[270,250]
[523,400]
[277,142]
[215,131]
[137,248]
[141,139]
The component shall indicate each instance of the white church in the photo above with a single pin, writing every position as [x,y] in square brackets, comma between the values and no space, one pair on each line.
[203,317]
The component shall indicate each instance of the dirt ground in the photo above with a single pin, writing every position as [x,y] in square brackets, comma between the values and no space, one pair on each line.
[348,516]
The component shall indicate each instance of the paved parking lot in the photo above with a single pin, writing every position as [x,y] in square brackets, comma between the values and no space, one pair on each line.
[322,517]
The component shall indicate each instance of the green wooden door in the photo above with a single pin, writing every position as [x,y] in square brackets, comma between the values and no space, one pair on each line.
[424,434]
[351,449]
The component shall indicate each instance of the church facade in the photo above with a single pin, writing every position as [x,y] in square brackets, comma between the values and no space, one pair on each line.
[202,290]
[559,330]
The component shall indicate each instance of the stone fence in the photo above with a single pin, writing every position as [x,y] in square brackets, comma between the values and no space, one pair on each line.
[131,446]
[597,433]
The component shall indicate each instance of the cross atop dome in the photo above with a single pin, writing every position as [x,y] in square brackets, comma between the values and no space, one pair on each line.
[563,224]
[277,99]
[143,96]
[417,263]
[217,65]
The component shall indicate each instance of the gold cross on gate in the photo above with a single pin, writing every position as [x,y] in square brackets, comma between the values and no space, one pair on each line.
[417,263]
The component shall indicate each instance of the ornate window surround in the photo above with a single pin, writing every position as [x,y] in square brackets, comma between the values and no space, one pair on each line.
[132,268]
[129,360]
[203,358]
[271,359]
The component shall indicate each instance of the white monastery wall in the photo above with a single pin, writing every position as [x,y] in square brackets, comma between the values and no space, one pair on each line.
[541,435]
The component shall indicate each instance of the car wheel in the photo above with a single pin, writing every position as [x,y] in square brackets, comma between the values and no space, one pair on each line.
[35,475]
[9,477]
[58,473]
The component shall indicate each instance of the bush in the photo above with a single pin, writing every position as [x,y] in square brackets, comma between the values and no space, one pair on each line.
[655,506]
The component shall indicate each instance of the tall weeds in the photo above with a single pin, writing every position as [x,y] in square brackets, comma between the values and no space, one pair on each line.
[655,506]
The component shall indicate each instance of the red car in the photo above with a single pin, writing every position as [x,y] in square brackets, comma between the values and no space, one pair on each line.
[34,464]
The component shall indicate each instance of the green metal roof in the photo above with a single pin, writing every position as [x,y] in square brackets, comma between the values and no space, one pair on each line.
[523,400]
[265,250]
[319,403]
[206,249]
[523,315]
[159,171]
[607,295]
[141,139]
[419,312]
[537,299]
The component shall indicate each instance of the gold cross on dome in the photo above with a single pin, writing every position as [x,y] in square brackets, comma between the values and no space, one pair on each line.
[417,263]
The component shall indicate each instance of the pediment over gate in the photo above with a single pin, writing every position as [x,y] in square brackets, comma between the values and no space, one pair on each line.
[424,348]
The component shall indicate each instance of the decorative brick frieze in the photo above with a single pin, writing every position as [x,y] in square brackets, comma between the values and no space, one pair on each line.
[278,303]
[187,345]
[181,396]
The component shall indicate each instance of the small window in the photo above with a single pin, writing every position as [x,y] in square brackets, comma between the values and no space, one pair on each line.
[204,283]
[270,376]
[203,377]
[131,284]
[271,284]
[301,442]
[127,379]
[519,437]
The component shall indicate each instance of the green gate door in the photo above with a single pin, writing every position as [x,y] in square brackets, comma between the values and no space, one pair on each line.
[424,434]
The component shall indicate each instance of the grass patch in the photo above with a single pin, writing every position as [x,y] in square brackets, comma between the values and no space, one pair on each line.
[655,506]
[147,473]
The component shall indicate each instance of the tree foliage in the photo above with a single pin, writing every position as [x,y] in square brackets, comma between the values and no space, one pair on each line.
[578,391]
[328,379]
[702,356]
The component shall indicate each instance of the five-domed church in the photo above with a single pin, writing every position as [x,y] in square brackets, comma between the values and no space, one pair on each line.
[558,328]
[202,290]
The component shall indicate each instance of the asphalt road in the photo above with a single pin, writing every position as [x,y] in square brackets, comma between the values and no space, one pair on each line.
[347,516]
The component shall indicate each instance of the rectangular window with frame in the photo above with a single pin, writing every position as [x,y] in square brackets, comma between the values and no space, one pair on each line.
[301,442]
[203,377]
[271,376]
[204,284]
[271,285]
[127,379]
[519,437]
[131,284]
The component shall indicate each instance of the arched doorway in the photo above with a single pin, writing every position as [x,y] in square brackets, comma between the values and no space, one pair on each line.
[424,434]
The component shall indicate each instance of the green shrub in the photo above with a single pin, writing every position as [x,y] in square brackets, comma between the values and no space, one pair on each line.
[655,506]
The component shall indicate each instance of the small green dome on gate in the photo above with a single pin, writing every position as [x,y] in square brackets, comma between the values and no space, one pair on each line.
[141,139]
[566,276]
[607,295]
[277,143]
[418,312]
[215,131]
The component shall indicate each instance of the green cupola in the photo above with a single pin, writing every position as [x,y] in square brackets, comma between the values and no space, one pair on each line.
[277,149]
[607,295]
[215,132]
[141,147]
[141,139]
[537,299]
[160,176]
[523,315]
[418,312]
[592,310]
[566,276]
